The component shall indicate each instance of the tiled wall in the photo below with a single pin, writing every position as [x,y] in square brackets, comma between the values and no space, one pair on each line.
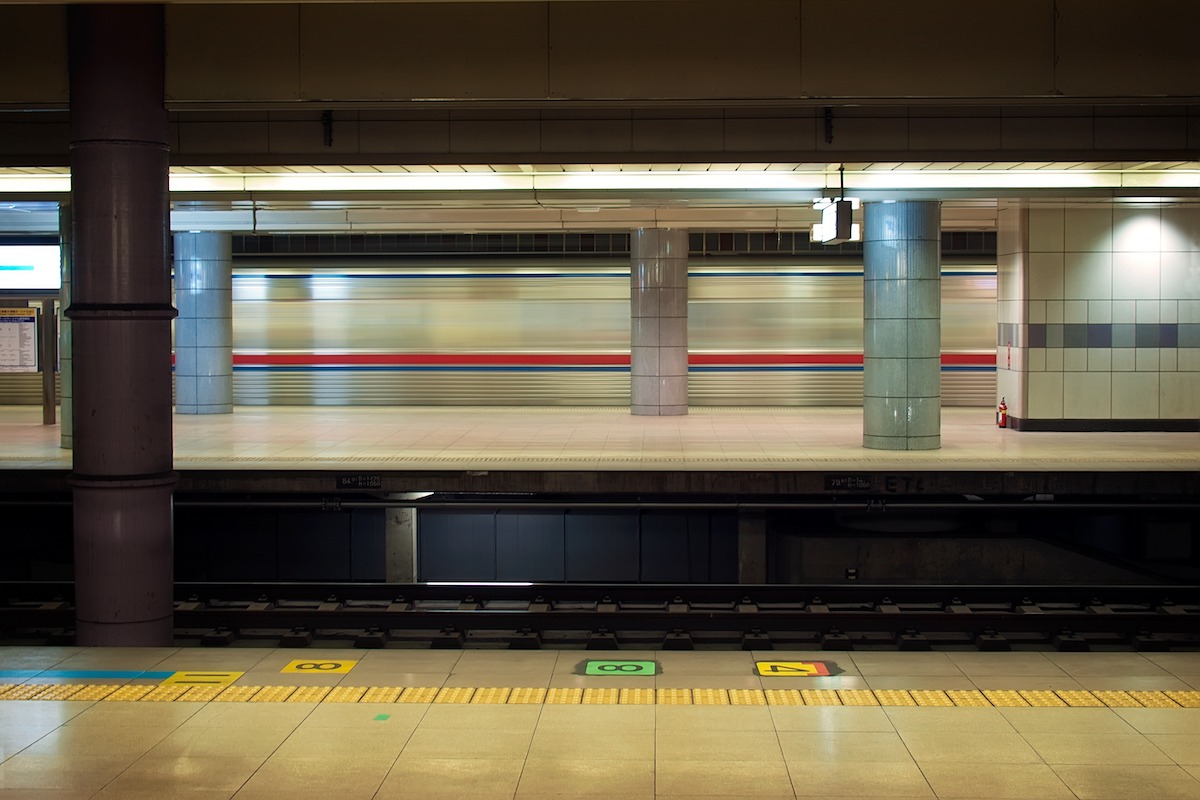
[1101,302]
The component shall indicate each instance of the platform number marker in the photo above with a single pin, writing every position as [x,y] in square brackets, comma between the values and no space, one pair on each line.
[310,666]
[796,669]
[620,668]
[203,678]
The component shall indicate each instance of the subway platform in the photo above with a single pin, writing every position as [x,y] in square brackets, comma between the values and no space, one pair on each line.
[278,724]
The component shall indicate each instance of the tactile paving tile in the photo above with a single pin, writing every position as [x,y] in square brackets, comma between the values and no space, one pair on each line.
[784,697]
[747,697]
[527,695]
[166,693]
[710,697]
[236,694]
[564,696]
[491,695]
[26,691]
[820,697]
[415,694]
[894,697]
[1154,699]
[857,697]
[1185,699]
[600,697]
[345,694]
[60,691]
[309,694]
[1078,699]
[273,694]
[931,697]
[668,697]
[1116,699]
[1042,698]
[95,691]
[5,688]
[455,694]
[382,694]
[968,698]
[636,697]
[131,692]
[1005,698]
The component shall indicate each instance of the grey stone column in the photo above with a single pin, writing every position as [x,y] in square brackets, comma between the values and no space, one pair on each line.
[121,326]
[65,391]
[658,340]
[400,539]
[902,340]
[204,328]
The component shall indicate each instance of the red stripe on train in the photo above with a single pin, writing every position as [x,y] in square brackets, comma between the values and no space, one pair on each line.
[575,359]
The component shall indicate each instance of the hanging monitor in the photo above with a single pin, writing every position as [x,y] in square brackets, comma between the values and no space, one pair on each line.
[32,268]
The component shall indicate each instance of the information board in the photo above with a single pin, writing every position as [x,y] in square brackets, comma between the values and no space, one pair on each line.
[18,340]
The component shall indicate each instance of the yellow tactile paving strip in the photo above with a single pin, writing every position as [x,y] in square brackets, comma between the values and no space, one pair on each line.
[610,696]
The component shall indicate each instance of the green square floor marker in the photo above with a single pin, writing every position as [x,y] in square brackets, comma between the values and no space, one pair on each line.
[382,717]
[626,668]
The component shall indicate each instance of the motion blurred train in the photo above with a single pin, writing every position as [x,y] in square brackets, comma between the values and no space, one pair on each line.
[390,331]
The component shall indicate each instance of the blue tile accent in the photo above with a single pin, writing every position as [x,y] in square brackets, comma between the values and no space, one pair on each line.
[1037,334]
[1146,334]
[1054,335]
[1189,334]
[1123,334]
[1099,335]
[1075,334]
[1168,334]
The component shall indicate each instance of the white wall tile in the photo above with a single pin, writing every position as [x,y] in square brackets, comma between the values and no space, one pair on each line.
[1037,311]
[1137,230]
[1045,230]
[1054,311]
[1088,229]
[1099,311]
[1179,395]
[1075,311]
[1046,395]
[1124,311]
[1135,395]
[1147,359]
[1187,359]
[1075,359]
[1010,278]
[1189,310]
[1045,276]
[1008,386]
[1136,275]
[1054,359]
[1087,276]
[1087,396]
[1146,311]
[1099,359]
[1181,229]
[1168,359]
[1124,359]
[1179,276]
[1008,311]
[1037,359]
[1168,311]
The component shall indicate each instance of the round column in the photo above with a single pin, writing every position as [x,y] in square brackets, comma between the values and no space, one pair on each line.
[204,328]
[121,326]
[658,336]
[902,340]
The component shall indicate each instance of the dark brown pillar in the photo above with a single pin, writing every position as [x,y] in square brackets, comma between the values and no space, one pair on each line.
[121,326]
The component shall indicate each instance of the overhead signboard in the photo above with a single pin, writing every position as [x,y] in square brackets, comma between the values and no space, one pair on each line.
[30,268]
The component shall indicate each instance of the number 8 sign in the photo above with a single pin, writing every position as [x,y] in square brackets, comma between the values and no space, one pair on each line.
[628,668]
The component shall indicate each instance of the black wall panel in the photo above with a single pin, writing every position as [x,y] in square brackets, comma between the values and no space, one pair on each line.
[530,546]
[314,547]
[723,549]
[456,545]
[602,546]
[368,545]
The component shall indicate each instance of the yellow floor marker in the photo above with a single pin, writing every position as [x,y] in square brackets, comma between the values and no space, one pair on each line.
[857,697]
[131,692]
[26,691]
[1185,699]
[931,697]
[636,697]
[527,695]
[309,694]
[1116,699]
[273,694]
[747,697]
[454,694]
[1042,698]
[1078,699]
[167,693]
[784,697]
[96,691]
[237,694]
[345,694]
[894,697]
[1153,699]
[415,694]
[5,688]
[710,697]
[206,678]
[60,691]
[201,694]
[491,695]
[1005,698]
[601,697]
[668,697]
[564,696]
[968,698]
[820,697]
[382,694]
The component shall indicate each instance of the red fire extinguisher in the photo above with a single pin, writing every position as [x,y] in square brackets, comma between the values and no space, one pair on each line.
[1002,414]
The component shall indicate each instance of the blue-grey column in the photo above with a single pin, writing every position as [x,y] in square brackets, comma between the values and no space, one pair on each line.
[65,391]
[204,327]
[902,327]
[658,336]
[121,314]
